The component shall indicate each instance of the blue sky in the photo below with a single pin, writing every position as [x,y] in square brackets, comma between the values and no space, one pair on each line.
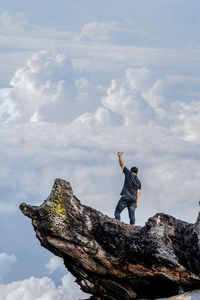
[80,81]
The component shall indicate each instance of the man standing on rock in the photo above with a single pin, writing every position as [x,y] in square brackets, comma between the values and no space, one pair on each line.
[130,193]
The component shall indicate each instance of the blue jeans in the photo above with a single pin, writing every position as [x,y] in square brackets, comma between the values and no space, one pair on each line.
[130,204]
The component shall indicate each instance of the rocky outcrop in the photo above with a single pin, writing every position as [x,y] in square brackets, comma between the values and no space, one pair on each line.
[113,260]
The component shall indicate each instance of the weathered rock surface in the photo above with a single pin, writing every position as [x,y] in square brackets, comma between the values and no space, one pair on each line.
[113,260]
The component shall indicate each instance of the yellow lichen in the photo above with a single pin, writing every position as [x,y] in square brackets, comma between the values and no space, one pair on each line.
[58,208]
[57,205]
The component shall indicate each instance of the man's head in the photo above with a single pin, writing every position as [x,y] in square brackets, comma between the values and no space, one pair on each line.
[134,170]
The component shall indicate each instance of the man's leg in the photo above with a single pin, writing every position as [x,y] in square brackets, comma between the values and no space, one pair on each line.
[120,206]
[131,212]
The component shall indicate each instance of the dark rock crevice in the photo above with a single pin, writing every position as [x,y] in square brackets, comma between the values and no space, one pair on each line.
[112,260]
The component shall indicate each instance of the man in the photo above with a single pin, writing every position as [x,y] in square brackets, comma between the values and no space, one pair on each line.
[130,193]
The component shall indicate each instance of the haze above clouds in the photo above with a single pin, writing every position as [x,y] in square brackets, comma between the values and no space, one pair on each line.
[78,85]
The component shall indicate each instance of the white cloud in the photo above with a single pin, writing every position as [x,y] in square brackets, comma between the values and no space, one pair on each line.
[137,116]
[35,85]
[101,117]
[14,23]
[165,93]
[6,262]
[97,30]
[188,115]
[41,289]
[140,78]
[168,102]
[46,89]
[122,33]
[54,263]
[126,96]
[21,39]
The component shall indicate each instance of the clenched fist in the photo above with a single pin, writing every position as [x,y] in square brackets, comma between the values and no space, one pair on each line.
[120,153]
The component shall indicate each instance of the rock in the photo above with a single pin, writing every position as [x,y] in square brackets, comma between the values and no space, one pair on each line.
[113,260]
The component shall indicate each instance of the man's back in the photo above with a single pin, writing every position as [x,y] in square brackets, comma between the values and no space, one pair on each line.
[131,184]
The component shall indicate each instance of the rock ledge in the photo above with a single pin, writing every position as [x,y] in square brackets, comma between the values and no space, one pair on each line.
[112,260]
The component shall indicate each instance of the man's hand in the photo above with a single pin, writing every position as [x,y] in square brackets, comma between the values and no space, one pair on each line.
[120,153]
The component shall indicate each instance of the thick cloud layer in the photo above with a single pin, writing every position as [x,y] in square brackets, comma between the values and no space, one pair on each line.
[38,288]
[41,288]
[54,263]
[47,89]
[156,130]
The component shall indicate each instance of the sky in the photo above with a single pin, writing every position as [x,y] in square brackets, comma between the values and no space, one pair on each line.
[80,81]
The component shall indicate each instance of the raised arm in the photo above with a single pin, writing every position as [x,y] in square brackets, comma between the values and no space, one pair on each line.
[120,159]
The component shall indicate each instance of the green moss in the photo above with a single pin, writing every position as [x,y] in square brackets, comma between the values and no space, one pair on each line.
[57,206]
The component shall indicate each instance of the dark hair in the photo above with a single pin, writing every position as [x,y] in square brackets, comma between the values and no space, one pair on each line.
[134,170]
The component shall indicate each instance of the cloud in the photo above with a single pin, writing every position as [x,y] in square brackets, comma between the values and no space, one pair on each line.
[141,98]
[16,24]
[37,288]
[12,23]
[46,89]
[126,97]
[119,33]
[188,116]
[40,289]
[6,262]
[168,92]
[101,117]
[99,46]
[136,115]
[36,85]
[97,30]
[54,263]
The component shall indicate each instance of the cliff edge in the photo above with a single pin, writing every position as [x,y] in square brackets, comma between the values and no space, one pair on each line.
[113,260]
